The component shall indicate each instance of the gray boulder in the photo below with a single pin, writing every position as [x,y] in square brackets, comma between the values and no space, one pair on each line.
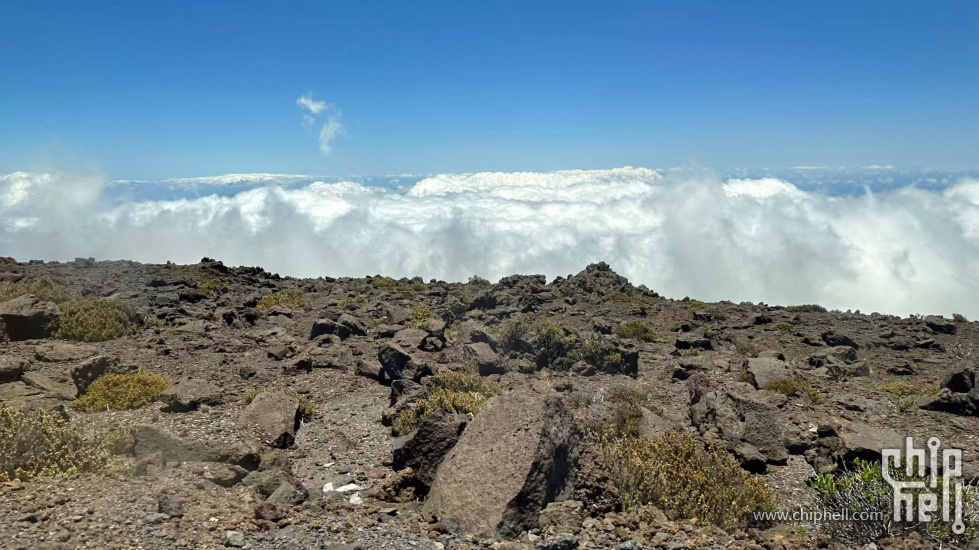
[761,372]
[273,417]
[27,318]
[189,394]
[486,360]
[514,458]
[424,449]
[12,369]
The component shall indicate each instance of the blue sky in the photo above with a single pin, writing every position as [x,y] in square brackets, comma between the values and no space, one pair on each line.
[142,90]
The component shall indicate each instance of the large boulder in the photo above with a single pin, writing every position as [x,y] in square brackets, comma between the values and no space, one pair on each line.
[150,441]
[483,356]
[273,417]
[344,326]
[27,318]
[514,458]
[12,369]
[424,449]
[398,365]
[741,419]
[188,394]
[833,338]
[959,394]
[761,372]
[940,324]
[63,352]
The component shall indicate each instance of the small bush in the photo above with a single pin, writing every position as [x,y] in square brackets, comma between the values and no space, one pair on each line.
[692,305]
[291,298]
[746,347]
[39,443]
[806,308]
[684,479]
[479,281]
[122,391]
[863,488]
[959,318]
[907,403]
[43,289]
[358,300]
[214,286]
[837,372]
[598,351]
[783,327]
[96,320]
[900,389]
[419,317]
[792,386]
[510,333]
[451,392]
[412,287]
[306,408]
[383,282]
[637,330]
[554,346]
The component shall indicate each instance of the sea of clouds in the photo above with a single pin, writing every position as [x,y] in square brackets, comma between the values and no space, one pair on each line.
[894,248]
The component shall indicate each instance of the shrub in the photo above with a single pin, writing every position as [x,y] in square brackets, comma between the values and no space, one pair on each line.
[451,392]
[306,407]
[684,479]
[554,346]
[412,287]
[792,386]
[96,320]
[383,282]
[419,317]
[900,389]
[783,327]
[959,318]
[598,351]
[39,443]
[214,286]
[43,289]
[479,281]
[291,298]
[637,330]
[863,488]
[358,300]
[838,372]
[907,403]
[510,333]
[746,347]
[122,391]
[806,308]
[691,305]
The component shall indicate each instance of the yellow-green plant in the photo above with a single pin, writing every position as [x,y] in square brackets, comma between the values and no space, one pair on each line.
[959,318]
[214,286]
[358,300]
[452,392]
[637,330]
[806,308]
[419,317]
[42,288]
[291,298]
[39,443]
[679,475]
[122,391]
[900,389]
[84,320]
[383,282]
[792,386]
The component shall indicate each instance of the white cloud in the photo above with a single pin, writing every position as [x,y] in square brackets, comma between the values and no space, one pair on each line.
[808,168]
[878,167]
[904,251]
[331,127]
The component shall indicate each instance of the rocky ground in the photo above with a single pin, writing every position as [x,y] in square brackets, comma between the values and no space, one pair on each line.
[225,457]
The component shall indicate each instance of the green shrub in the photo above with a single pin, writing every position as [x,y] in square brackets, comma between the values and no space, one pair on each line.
[783,327]
[122,391]
[806,308]
[306,407]
[412,287]
[746,347]
[863,488]
[692,305]
[598,351]
[959,318]
[792,386]
[388,283]
[684,479]
[451,392]
[99,320]
[510,332]
[291,298]
[479,281]
[39,443]
[419,317]
[214,286]
[900,389]
[42,288]
[637,330]
[907,403]
[358,300]
[383,282]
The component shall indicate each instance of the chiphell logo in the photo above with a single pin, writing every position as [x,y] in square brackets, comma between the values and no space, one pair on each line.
[930,491]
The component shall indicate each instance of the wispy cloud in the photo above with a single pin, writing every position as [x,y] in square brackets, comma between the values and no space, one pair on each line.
[808,168]
[331,122]
[878,167]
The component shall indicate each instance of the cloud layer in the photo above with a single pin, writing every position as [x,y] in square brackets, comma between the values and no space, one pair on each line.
[908,250]
[331,127]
